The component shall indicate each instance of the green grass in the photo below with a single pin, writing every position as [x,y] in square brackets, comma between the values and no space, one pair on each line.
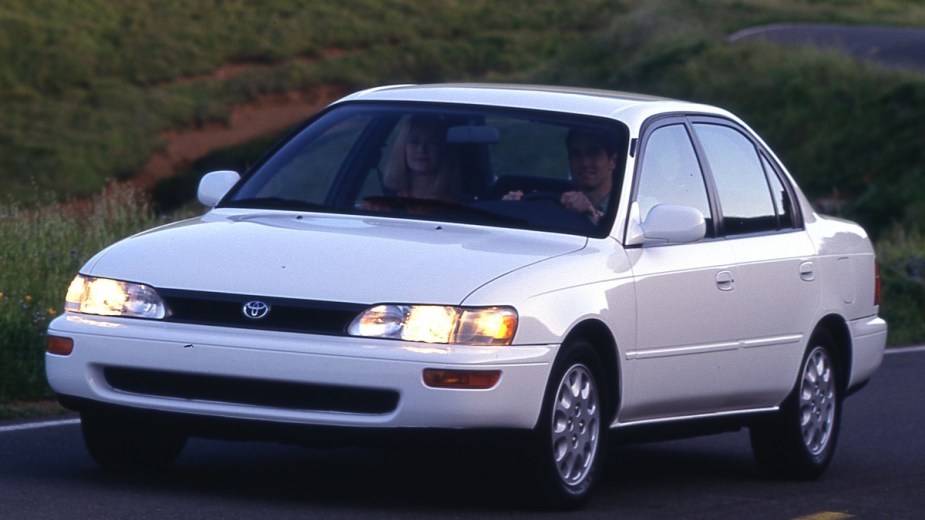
[41,250]
[26,409]
[88,86]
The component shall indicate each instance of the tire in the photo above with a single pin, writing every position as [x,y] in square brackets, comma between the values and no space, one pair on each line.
[799,442]
[570,438]
[126,443]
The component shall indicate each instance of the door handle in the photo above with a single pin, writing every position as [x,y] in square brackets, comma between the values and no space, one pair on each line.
[725,281]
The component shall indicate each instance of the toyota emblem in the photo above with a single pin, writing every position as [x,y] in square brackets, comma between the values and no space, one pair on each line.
[255,310]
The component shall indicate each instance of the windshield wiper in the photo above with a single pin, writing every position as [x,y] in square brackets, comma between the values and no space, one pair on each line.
[434,208]
[274,203]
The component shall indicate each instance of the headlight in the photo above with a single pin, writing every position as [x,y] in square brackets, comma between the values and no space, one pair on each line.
[438,324]
[113,298]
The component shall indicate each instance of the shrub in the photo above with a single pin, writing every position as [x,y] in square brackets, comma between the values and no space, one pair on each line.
[901,253]
[41,250]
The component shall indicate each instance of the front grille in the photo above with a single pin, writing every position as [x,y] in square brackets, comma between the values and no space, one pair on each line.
[285,314]
[237,390]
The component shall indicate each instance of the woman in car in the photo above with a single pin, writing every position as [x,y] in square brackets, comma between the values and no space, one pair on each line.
[421,164]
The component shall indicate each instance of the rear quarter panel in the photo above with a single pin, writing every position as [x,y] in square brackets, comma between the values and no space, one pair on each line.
[846,267]
[848,272]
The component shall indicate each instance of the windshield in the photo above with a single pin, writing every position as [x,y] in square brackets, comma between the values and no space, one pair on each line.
[487,166]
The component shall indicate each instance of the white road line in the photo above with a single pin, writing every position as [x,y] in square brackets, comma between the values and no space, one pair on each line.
[35,425]
[905,350]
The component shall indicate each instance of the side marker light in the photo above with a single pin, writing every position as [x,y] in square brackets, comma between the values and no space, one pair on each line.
[60,346]
[461,379]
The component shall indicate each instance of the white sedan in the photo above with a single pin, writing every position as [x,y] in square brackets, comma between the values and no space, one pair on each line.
[562,264]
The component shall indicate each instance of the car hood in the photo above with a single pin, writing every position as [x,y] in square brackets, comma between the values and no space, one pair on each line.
[326,257]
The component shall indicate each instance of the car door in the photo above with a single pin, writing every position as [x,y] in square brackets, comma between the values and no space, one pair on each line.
[775,268]
[688,304]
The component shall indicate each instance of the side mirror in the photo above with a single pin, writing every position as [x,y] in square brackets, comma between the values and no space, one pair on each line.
[215,185]
[666,224]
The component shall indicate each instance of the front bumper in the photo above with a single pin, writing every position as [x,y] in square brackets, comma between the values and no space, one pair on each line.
[249,375]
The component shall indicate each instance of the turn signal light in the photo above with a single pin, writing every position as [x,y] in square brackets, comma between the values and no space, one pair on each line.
[461,379]
[60,346]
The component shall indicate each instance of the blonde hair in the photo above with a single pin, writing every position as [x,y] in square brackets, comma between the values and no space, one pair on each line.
[397,175]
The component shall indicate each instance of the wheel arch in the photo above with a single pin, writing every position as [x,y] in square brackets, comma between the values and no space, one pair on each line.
[603,343]
[837,327]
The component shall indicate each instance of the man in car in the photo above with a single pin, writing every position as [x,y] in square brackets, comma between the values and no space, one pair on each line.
[592,159]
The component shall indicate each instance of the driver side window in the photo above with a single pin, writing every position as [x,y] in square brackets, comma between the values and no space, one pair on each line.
[671,174]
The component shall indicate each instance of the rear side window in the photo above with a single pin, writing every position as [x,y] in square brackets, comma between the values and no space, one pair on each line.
[783,201]
[741,182]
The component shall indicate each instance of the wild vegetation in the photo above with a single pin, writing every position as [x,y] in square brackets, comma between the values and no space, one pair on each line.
[88,88]
[41,249]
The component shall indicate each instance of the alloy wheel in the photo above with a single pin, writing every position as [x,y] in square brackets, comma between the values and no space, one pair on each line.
[575,425]
[817,401]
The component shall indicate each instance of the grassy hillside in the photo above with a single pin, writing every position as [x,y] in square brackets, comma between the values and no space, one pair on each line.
[87,88]
[847,130]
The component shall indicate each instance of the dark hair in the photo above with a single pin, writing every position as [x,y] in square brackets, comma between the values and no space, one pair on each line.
[606,138]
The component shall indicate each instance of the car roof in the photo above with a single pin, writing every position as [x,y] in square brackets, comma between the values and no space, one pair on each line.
[628,107]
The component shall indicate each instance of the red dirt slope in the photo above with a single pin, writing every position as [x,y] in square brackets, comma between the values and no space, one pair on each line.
[269,114]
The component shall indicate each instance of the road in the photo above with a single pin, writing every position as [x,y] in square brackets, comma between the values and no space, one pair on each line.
[878,472]
[900,47]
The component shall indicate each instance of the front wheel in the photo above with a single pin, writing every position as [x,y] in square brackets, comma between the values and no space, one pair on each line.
[126,443]
[572,432]
[800,441]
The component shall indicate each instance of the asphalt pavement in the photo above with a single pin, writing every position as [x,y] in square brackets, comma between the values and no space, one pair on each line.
[877,472]
[901,47]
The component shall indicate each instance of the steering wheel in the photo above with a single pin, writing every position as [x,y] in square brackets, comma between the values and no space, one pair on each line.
[542,196]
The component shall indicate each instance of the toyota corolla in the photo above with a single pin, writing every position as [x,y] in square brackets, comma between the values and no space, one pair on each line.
[570,266]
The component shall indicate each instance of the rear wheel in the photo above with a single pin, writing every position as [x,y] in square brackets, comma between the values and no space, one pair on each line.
[572,432]
[800,441]
[128,443]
